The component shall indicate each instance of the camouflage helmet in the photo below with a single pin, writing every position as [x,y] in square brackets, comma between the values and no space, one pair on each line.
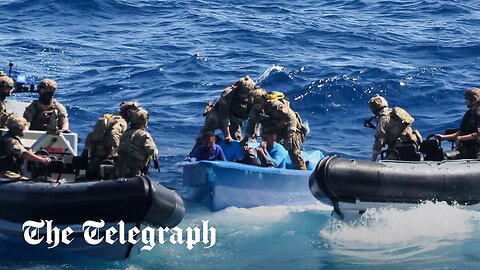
[245,84]
[132,105]
[16,124]
[139,117]
[48,84]
[376,103]
[6,81]
[472,94]
[259,94]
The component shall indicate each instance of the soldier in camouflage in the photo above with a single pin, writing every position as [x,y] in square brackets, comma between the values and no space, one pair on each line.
[136,148]
[394,126]
[230,111]
[6,89]
[102,143]
[12,150]
[275,114]
[467,138]
[41,113]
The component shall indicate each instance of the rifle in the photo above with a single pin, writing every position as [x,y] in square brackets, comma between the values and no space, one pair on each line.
[156,165]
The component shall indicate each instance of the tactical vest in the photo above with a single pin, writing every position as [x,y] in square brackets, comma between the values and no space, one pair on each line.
[41,120]
[399,121]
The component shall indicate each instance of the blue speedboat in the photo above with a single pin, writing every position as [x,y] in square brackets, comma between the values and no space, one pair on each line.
[220,184]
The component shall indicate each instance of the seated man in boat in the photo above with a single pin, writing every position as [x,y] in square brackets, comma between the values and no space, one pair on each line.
[209,150]
[6,89]
[41,114]
[394,126]
[102,143]
[273,110]
[467,138]
[12,151]
[136,148]
[229,112]
[271,153]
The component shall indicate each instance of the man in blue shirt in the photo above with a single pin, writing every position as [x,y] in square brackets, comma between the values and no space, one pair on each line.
[271,153]
[209,150]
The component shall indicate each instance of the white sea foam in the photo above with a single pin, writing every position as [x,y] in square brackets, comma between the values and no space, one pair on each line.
[391,233]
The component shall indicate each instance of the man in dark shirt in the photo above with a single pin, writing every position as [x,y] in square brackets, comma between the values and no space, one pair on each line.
[467,138]
[209,150]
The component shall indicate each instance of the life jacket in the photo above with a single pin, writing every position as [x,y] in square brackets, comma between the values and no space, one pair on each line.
[42,120]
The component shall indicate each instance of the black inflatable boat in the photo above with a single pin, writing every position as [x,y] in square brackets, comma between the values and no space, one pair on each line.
[352,186]
[134,202]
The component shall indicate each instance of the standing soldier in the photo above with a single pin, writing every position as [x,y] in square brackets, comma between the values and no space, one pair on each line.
[102,143]
[229,113]
[273,111]
[40,112]
[136,148]
[6,89]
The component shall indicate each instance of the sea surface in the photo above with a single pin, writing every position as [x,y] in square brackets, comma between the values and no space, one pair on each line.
[328,57]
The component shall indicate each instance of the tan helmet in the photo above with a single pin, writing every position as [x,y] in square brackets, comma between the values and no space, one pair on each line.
[377,103]
[472,94]
[132,105]
[48,84]
[16,124]
[6,81]
[139,117]
[259,94]
[246,84]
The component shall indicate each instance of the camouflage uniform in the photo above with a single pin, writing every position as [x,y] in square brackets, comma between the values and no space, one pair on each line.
[394,126]
[391,131]
[5,82]
[230,111]
[39,119]
[104,144]
[135,153]
[3,113]
[136,148]
[287,124]
[12,150]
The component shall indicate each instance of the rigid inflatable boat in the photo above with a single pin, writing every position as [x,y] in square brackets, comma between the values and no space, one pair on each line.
[220,184]
[61,193]
[352,186]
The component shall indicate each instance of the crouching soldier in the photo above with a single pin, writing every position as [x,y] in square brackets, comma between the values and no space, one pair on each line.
[394,126]
[12,151]
[136,148]
[273,111]
[229,112]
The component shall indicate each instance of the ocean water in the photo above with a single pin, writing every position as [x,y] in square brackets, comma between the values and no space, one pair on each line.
[328,57]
